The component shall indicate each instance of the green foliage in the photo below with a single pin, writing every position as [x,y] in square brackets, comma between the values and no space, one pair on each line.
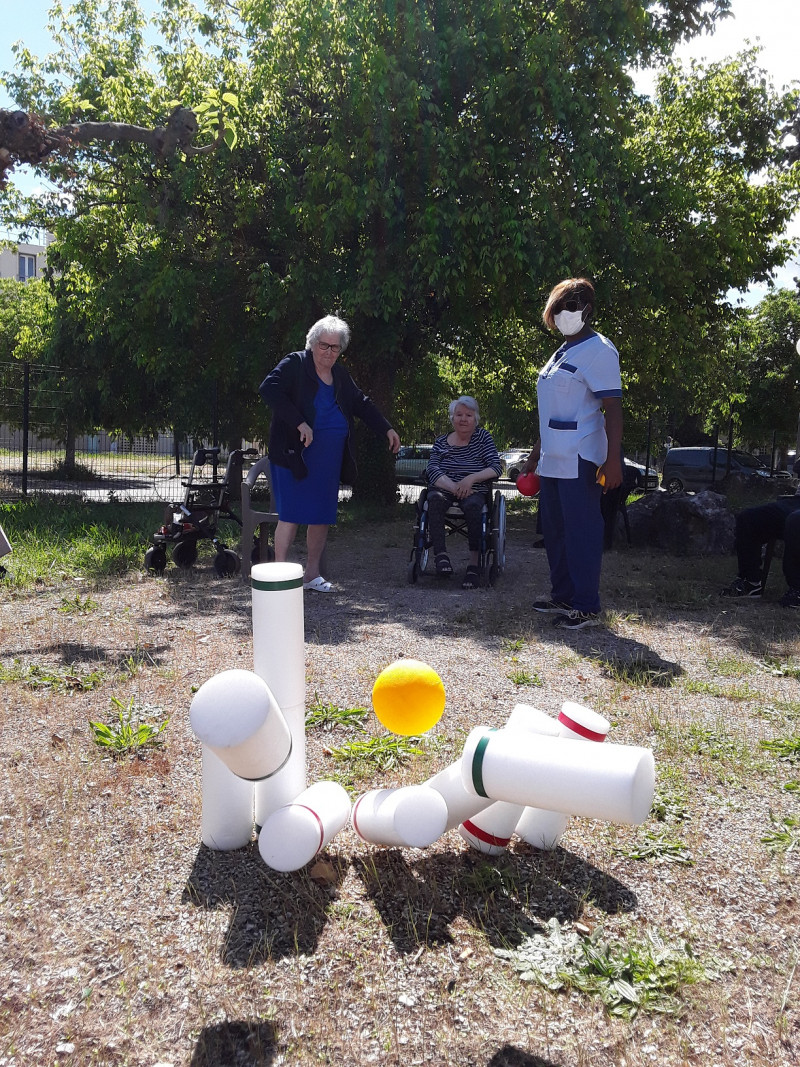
[780,668]
[26,320]
[128,735]
[639,670]
[522,677]
[325,716]
[376,755]
[761,370]
[787,748]
[78,605]
[658,846]
[785,835]
[68,680]
[58,541]
[628,977]
[428,170]
[668,807]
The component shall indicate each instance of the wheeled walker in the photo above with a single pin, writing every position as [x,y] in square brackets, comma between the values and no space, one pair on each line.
[196,517]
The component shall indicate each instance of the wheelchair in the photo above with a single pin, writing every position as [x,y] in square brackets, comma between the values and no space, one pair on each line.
[492,550]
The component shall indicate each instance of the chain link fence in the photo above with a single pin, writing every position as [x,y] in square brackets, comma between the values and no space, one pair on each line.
[40,454]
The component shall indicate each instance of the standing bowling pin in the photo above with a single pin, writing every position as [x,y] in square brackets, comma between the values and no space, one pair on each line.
[279,658]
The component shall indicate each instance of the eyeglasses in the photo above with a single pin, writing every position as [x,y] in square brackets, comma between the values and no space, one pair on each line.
[571,305]
[329,348]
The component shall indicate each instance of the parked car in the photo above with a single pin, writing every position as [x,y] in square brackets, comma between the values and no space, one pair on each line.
[692,468]
[411,461]
[513,460]
[637,477]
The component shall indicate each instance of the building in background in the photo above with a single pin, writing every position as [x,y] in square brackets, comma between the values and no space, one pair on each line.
[24,262]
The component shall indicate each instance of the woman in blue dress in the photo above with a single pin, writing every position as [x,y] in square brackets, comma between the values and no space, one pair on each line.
[314,401]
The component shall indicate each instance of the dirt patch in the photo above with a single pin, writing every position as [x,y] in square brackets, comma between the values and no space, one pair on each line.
[127,942]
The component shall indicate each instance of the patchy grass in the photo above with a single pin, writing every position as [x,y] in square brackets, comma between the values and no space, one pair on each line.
[58,542]
[628,977]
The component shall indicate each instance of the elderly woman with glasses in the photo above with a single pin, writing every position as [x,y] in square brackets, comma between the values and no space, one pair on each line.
[578,454]
[462,464]
[314,401]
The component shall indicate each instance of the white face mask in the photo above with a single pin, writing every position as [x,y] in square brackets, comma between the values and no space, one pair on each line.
[569,322]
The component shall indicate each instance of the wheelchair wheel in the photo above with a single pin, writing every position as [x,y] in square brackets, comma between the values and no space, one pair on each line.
[184,553]
[497,540]
[421,550]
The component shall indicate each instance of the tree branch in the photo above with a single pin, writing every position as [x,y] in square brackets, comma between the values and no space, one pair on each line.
[25,139]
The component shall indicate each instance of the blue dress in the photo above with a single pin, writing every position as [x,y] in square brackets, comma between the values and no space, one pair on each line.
[313,500]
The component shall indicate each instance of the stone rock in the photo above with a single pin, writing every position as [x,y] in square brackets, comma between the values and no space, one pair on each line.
[683,524]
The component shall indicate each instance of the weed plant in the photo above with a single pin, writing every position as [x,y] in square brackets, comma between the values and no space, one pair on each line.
[129,735]
[785,834]
[655,845]
[322,715]
[628,977]
[522,677]
[361,760]
[64,681]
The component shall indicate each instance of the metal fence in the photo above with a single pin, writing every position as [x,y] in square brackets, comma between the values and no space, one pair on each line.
[39,456]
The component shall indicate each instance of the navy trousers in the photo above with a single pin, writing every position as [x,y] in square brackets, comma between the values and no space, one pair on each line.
[756,526]
[572,525]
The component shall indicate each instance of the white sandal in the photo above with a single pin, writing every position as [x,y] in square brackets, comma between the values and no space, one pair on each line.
[318,585]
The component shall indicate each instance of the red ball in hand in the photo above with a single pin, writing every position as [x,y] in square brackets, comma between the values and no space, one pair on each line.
[528,484]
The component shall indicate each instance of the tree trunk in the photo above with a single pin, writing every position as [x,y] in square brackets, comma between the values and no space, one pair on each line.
[375,372]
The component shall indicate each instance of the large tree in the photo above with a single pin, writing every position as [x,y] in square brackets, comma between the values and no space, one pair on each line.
[428,169]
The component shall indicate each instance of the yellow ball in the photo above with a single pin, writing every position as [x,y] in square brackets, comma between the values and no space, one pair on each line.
[408,697]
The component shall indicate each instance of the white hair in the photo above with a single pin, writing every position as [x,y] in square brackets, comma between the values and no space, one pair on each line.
[330,324]
[467,402]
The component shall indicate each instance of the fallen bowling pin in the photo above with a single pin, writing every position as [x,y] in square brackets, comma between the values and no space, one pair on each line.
[489,831]
[413,816]
[293,835]
[544,829]
[463,804]
[236,716]
[610,782]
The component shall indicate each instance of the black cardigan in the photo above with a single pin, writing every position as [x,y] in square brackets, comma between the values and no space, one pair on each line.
[289,390]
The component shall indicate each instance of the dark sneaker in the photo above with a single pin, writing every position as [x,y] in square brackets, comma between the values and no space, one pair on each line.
[740,587]
[577,620]
[790,599]
[557,606]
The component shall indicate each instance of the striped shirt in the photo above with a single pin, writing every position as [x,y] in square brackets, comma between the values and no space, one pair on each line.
[457,461]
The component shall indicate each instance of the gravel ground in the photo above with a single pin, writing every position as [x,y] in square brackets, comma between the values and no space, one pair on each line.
[125,941]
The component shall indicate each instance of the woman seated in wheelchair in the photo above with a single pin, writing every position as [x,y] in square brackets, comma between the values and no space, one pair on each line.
[460,471]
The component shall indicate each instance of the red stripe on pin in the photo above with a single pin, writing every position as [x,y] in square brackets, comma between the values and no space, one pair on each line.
[488,839]
[582,731]
[353,818]
[319,823]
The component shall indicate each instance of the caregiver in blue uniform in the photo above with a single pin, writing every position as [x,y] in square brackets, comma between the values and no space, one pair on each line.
[578,454]
[314,401]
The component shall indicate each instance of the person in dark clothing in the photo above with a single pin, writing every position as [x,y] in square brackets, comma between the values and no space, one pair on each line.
[314,401]
[780,519]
